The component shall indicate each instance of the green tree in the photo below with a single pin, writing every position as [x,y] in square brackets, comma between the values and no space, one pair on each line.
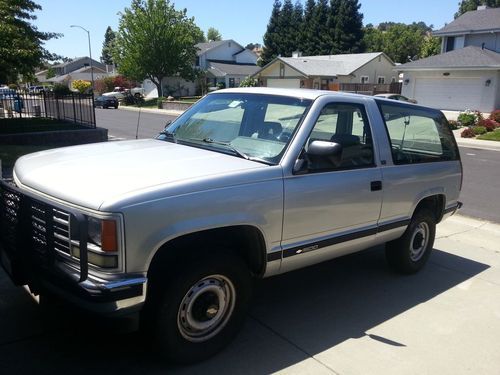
[348,37]
[272,37]
[286,30]
[51,72]
[321,39]
[297,24]
[431,46]
[468,5]
[107,46]
[21,43]
[373,39]
[213,35]
[154,41]
[307,31]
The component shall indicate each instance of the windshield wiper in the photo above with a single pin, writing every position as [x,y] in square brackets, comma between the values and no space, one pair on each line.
[228,145]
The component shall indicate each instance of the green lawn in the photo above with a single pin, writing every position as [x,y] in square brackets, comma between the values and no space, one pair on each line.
[10,153]
[491,136]
[30,125]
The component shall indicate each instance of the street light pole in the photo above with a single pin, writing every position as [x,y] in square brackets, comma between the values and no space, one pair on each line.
[90,53]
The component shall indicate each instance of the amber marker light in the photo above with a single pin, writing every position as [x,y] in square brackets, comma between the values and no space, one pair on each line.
[108,236]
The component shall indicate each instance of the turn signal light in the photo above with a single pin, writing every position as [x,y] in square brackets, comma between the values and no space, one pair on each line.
[109,240]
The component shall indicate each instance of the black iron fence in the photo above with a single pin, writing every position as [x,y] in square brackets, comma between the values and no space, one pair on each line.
[76,108]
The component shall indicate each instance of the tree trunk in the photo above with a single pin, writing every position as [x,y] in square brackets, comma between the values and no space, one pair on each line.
[158,85]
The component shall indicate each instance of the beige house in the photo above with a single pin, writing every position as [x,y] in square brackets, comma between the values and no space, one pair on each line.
[327,72]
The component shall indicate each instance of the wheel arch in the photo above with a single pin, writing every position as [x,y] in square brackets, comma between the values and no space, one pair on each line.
[436,203]
[245,240]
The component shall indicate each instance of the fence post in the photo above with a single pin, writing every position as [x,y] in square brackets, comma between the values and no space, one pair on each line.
[74,108]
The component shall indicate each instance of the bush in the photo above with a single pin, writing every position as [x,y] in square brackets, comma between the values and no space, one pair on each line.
[490,125]
[453,124]
[60,89]
[249,82]
[467,133]
[467,118]
[495,116]
[478,130]
[159,102]
[81,86]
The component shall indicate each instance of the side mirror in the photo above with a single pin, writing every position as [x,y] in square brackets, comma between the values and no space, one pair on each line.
[324,155]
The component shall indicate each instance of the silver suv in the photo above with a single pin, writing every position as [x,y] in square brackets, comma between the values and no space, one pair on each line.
[248,183]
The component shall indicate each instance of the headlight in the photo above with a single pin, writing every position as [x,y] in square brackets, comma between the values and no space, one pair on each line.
[94,230]
[103,234]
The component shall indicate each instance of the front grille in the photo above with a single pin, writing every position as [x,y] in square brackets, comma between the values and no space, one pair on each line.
[38,233]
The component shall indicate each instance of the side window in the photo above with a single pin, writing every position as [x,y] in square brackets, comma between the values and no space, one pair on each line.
[347,125]
[418,135]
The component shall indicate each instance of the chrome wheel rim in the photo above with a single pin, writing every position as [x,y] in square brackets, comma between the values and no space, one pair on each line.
[206,308]
[419,241]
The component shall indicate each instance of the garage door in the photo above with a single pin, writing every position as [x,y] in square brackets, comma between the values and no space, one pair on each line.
[451,93]
[286,83]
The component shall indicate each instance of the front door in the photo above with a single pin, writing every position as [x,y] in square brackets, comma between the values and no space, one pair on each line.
[333,209]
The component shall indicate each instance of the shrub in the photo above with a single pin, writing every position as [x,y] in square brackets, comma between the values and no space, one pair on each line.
[489,125]
[159,102]
[81,86]
[467,118]
[61,89]
[453,124]
[249,82]
[495,116]
[467,133]
[478,130]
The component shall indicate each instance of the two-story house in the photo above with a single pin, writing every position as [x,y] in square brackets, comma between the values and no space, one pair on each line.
[225,62]
[466,75]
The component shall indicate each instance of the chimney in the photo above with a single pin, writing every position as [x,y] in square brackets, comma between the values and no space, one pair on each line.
[482,7]
[296,54]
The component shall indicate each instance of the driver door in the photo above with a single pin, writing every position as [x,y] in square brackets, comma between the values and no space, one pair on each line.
[331,210]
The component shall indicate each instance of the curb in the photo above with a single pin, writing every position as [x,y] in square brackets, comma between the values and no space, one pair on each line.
[475,143]
[153,110]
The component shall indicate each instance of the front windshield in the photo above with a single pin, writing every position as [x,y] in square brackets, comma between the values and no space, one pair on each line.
[253,126]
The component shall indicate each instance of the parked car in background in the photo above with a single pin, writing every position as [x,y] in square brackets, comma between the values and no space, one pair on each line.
[106,102]
[35,89]
[121,92]
[397,97]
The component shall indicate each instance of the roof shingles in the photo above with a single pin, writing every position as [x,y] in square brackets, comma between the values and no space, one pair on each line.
[473,21]
[468,57]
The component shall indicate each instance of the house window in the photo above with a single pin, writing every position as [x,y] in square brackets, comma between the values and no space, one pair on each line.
[231,82]
[450,43]
[393,79]
[282,70]
[381,79]
[364,79]
[197,61]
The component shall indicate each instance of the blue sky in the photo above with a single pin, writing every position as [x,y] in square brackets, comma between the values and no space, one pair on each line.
[243,21]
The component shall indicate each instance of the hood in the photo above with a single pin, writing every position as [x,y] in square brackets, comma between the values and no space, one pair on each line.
[92,174]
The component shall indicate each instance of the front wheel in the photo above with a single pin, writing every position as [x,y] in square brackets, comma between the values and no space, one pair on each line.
[196,312]
[409,253]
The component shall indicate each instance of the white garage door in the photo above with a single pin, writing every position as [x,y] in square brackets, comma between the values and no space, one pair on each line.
[285,83]
[451,93]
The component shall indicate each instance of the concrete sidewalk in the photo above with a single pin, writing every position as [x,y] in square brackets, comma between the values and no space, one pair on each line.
[347,316]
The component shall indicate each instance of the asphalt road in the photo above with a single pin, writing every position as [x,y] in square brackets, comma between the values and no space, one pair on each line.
[122,124]
[481,185]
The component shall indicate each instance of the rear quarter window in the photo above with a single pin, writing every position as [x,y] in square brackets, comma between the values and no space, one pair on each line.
[417,135]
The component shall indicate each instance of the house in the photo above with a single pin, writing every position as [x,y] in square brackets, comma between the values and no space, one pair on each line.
[226,63]
[75,64]
[466,75]
[328,71]
[83,73]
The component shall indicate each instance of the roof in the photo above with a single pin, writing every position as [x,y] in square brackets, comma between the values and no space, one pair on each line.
[221,69]
[464,58]
[205,47]
[473,22]
[329,65]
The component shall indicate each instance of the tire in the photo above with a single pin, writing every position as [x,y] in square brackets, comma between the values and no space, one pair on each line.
[138,95]
[116,106]
[409,253]
[194,313]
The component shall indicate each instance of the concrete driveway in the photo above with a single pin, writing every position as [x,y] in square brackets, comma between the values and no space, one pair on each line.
[347,316]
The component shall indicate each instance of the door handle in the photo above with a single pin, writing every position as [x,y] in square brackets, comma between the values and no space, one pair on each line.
[376,185]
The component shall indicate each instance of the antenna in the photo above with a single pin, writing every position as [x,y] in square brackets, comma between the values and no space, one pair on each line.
[139,103]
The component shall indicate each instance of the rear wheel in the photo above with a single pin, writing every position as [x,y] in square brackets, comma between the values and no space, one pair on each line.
[195,312]
[409,253]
